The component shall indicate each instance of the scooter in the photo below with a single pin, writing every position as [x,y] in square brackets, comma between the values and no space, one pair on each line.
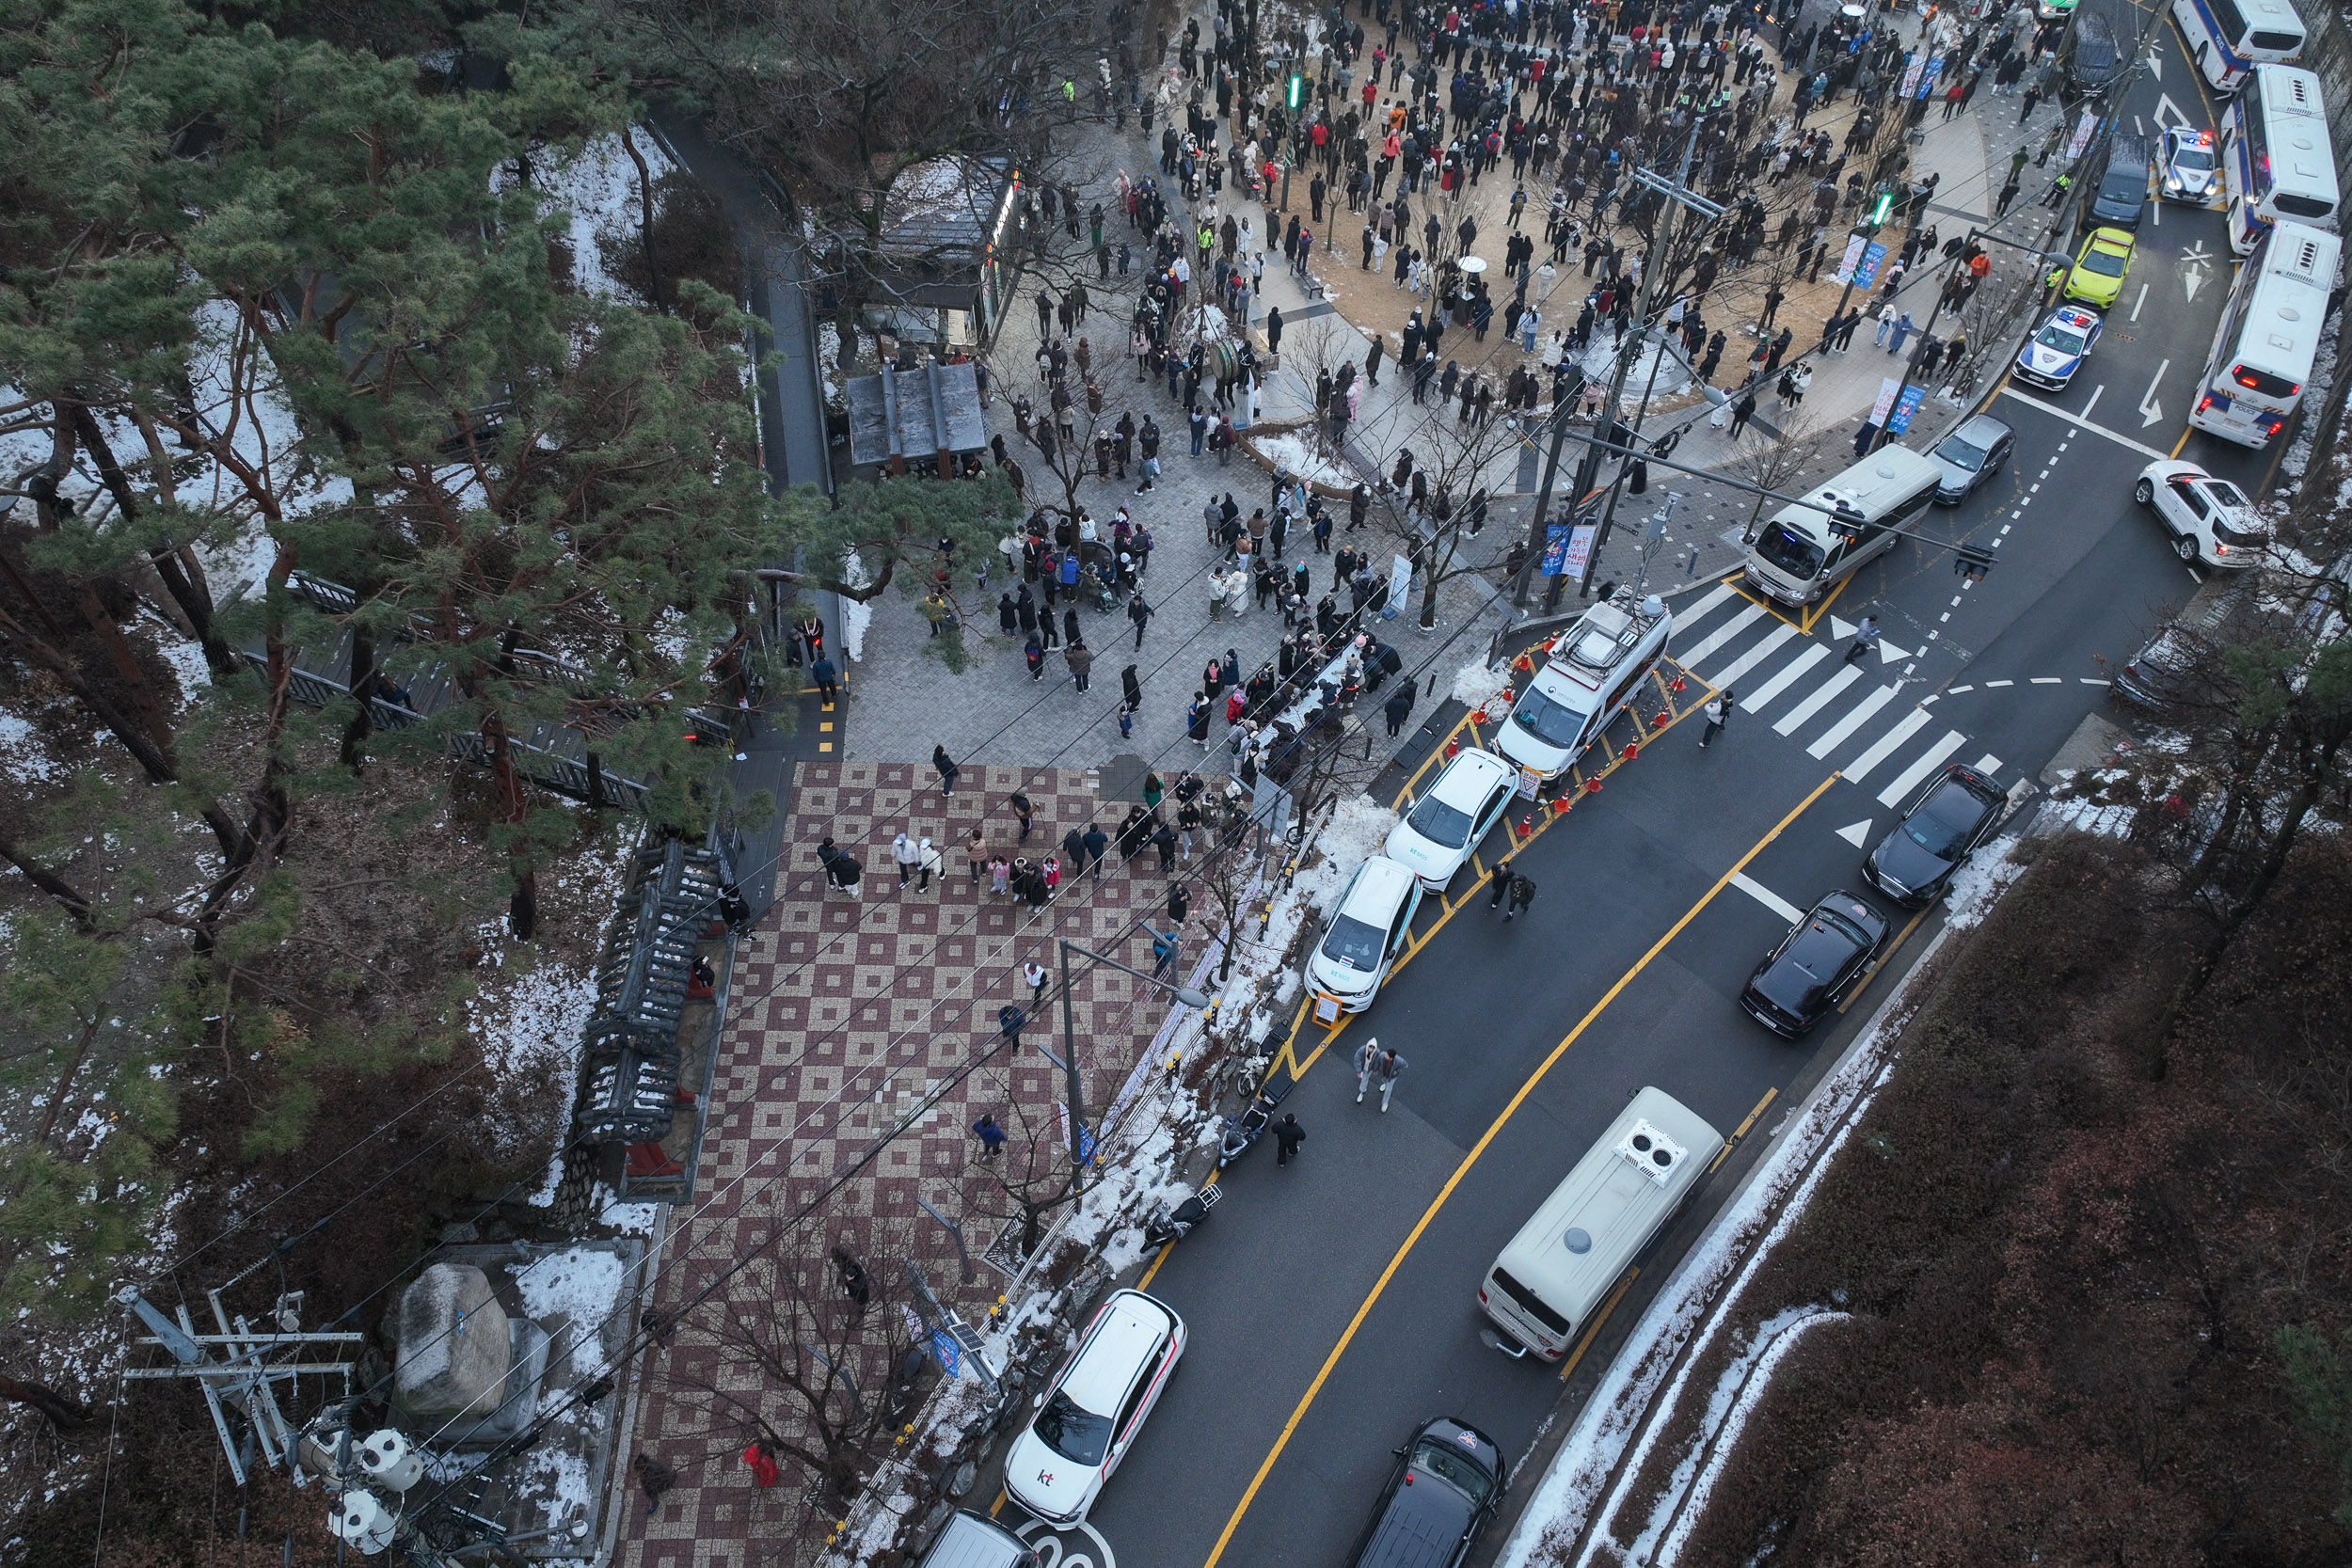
[1174,1225]
[1242,1130]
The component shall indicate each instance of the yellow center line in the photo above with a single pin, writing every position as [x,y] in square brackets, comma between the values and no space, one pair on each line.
[1476,1151]
[1599,1318]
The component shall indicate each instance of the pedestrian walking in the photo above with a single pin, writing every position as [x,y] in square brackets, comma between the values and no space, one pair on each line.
[1024,811]
[1866,637]
[1139,613]
[1037,977]
[1093,841]
[1742,412]
[1718,709]
[1164,949]
[1081,661]
[1288,1135]
[822,672]
[1035,656]
[907,850]
[1522,894]
[1499,884]
[1378,1067]
[1399,707]
[948,772]
[991,1135]
[1179,903]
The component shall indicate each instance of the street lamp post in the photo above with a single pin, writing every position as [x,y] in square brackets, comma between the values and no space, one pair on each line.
[1912,363]
[1072,1088]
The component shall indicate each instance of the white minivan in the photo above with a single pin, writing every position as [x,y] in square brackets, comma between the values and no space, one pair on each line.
[1591,672]
[1806,550]
[1367,932]
[1546,1285]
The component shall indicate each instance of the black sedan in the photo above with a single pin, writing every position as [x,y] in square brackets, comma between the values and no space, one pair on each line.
[1949,821]
[1816,966]
[1447,1479]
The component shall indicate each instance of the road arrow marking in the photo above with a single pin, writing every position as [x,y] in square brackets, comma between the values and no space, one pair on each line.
[2155,68]
[1840,629]
[2193,280]
[1888,653]
[1857,834]
[2166,106]
[2150,410]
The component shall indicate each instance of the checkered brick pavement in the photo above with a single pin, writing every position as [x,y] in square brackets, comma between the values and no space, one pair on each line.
[847,1014]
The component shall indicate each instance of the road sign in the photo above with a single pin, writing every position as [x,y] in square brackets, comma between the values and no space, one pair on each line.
[1855,244]
[949,1353]
[1888,386]
[1903,410]
[1579,550]
[1866,273]
[1556,548]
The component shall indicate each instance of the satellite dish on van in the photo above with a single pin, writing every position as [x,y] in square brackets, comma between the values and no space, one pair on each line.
[1885,473]
[1578,1240]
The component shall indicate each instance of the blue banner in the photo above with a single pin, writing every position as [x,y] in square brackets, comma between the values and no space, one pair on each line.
[1866,273]
[1905,406]
[950,1353]
[1556,548]
[1927,81]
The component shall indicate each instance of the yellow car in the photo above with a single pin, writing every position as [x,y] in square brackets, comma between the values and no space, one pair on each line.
[2097,275]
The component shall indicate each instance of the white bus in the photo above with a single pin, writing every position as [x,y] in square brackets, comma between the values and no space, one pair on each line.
[1558,1270]
[1805,551]
[2275,156]
[2230,38]
[2262,351]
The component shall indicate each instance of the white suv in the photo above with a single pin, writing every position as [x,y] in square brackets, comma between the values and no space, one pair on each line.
[2210,520]
[1446,824]
[1090,1415]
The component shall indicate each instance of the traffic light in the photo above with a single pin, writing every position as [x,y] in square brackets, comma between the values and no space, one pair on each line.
[1295,89]
[1847,523]
[1971,562]
[1881,208]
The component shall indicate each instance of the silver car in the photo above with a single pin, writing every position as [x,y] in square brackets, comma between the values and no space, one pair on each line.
[1970,455]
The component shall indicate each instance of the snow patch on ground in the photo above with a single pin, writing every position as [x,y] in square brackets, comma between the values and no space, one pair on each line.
[23,757]
[598,190]
[1291,454]
[530,1026]
[1977,884]
[583,1283]
[1475,685]
[187,665]
[1357,830]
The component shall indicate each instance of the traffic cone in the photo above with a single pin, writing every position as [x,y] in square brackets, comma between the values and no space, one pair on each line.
[1559,804]
[1658,722]
[1592,786]
[1677,684]
[1452,749]
[1631,750]
[1521,828]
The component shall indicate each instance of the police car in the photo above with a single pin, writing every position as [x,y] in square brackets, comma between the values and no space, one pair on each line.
[2192,170]
[2056,351]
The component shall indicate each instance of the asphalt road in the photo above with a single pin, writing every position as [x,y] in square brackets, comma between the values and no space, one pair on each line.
[1331,1304]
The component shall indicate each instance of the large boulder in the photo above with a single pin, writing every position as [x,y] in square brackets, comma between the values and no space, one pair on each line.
[454,1345]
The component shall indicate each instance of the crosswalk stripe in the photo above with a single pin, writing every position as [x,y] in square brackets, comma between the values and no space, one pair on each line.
[1987,763]
[1817,700]
[1928,762]
[1763,649]
[1690,657]
[1810,656]
[1909,724]
[1852,720]
[1713,600]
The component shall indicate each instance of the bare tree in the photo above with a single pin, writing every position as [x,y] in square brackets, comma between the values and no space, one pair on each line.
[1775,463]
[1456,457]
[801,1353]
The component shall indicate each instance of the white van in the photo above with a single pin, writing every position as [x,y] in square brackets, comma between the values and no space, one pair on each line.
[1805,551]
[1591,672]
[1547,1284]
[972,1539]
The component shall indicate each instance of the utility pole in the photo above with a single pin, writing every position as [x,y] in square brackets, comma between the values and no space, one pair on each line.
[1677,199]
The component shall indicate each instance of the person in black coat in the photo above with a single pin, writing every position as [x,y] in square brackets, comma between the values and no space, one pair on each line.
[1399,707]
[1006,617]
[1070,627]
[1026,609]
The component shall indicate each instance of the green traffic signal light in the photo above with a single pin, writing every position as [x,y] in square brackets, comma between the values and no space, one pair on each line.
[1298,89]
[1881,208]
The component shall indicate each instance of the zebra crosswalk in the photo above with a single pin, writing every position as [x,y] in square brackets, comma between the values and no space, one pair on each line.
[1831,704]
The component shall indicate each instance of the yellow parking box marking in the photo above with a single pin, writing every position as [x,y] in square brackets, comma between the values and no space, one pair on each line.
[1477,1151]
[1741,1131]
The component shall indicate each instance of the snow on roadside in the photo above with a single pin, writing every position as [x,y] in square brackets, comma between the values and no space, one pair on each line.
[1357,830]
[1289,453]
[1475,685]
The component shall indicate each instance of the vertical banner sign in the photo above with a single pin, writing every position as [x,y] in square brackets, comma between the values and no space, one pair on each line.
[949,1353]
[1579,550]
[1905,406]
[1912,74]
[1400,581]
[2081,139]
[1847,264]
[1886,401]
[1556,548]
[1866,273]
[1927,82]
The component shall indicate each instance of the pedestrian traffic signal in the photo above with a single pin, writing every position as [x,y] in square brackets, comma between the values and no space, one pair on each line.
[1881,208]
[1295,90]
[1971,562]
